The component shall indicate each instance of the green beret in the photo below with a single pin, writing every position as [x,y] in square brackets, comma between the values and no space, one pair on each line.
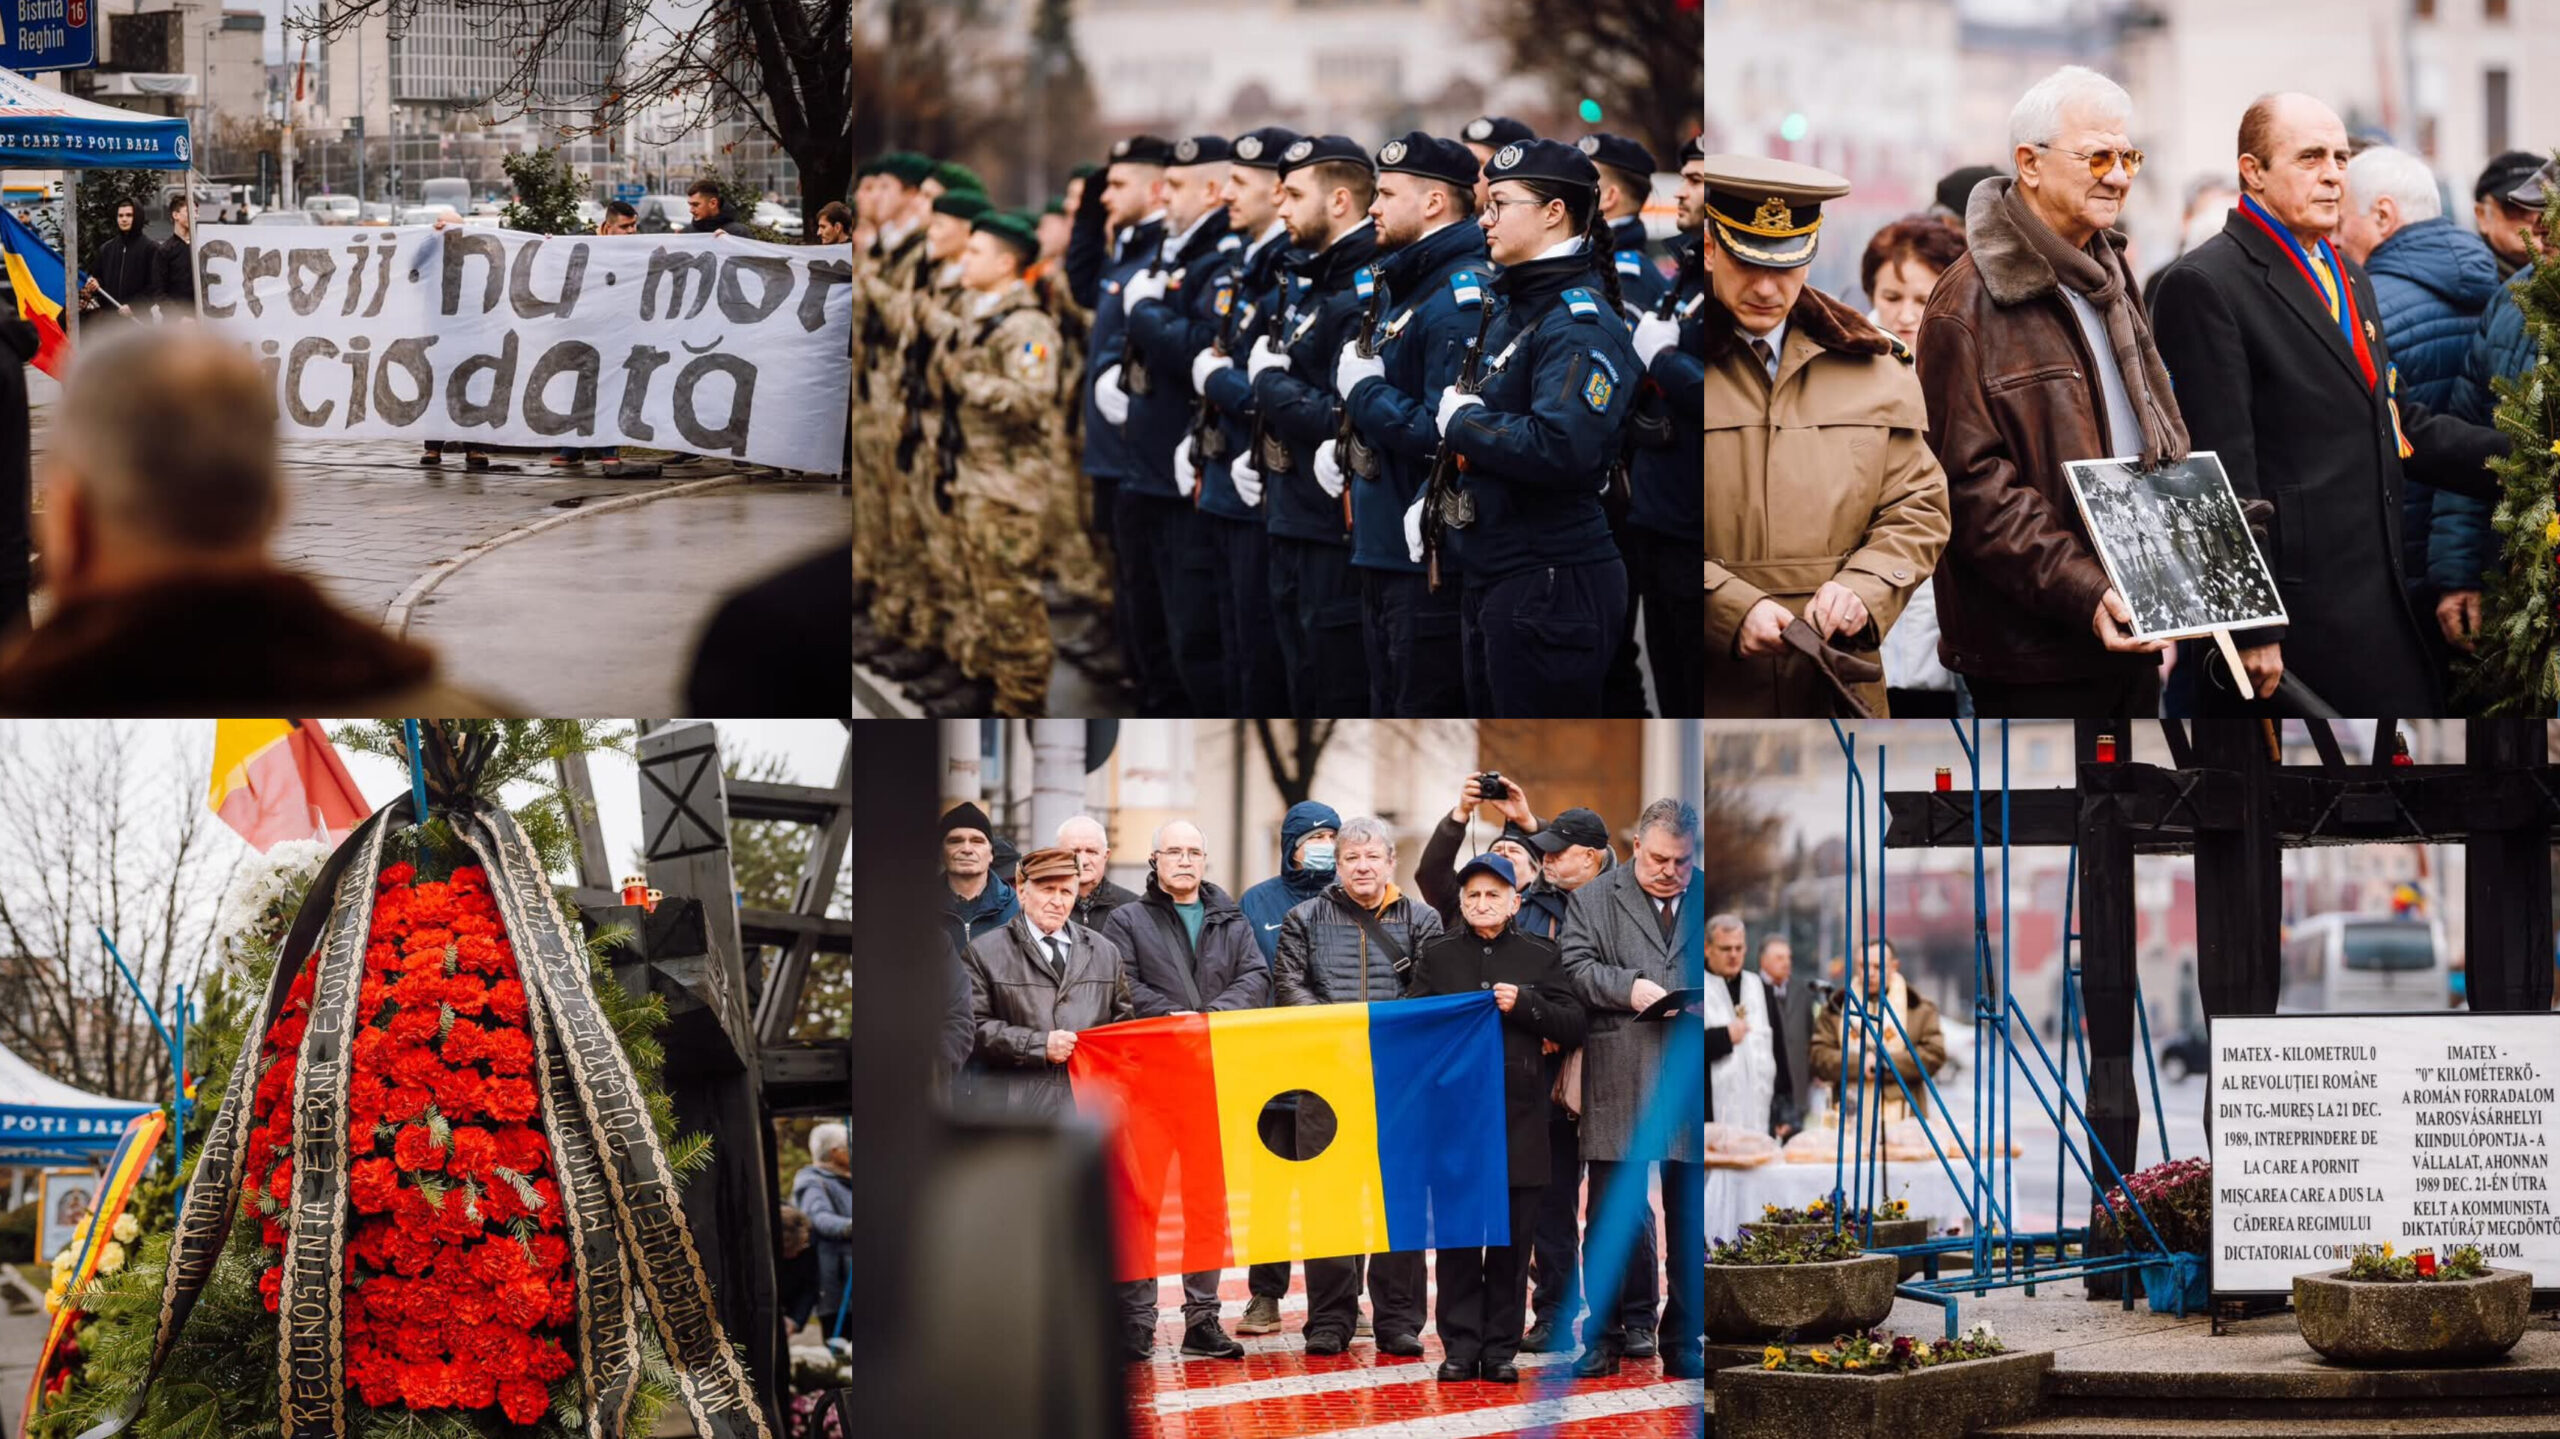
[1084,171]
[1057,205]
[1014,228]
[956,176]
[966,204]
[911,168]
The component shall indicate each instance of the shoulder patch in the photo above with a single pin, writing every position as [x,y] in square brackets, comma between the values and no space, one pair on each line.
[1630,262]
[1465,289]
[1582,303]
[1031,361]
[1231,242]
[1364,282]
[1600,384]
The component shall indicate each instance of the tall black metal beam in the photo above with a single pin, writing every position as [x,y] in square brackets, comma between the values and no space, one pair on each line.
[2106,958]
[2506,878]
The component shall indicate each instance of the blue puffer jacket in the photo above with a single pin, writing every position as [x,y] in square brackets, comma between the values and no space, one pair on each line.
[2461,542]
[1268,904]
[2431,281]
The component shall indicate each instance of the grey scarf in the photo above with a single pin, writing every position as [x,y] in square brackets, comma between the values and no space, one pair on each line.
[2098,273]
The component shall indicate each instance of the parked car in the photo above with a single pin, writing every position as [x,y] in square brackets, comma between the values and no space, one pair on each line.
[783,220]
[2190,1052]
[333,209]
[426,214]
[451,192]
[662,213]
[284,217]
[2361,963]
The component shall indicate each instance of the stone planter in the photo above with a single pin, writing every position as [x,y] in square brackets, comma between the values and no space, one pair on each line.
[1799,1301]
[2426,1322]
[1890,1234]
[1944,1402]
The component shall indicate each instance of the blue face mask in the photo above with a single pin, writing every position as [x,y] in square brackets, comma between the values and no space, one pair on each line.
[1319,856]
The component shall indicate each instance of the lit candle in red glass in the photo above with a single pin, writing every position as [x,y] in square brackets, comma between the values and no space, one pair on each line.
[2426,1263]
[2106,749]
[1946,779]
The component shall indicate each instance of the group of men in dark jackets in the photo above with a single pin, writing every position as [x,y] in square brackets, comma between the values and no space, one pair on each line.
[1056,952]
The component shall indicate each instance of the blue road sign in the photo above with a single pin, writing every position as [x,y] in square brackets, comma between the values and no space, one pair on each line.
[48,35]
[629,193]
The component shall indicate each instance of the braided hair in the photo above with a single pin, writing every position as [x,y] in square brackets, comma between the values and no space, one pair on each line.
[1582,207]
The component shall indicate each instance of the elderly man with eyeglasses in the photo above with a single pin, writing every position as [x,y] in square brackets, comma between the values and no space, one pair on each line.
[1189,950]
[2035,351]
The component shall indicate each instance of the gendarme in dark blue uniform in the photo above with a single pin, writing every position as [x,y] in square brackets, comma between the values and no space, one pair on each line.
[1316,607]
[1164,331]
[1437,287]
[1628,165]
[1666,522]
[1545,589]
[1246,289]
[1110,262]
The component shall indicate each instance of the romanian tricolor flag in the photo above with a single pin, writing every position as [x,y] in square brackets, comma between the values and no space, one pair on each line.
[35,277]
[124,1170]
[1399,1118]
[280,779]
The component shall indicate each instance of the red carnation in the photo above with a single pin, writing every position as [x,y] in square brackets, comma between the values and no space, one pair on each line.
[372,1185]
[416,1149]
[397,875]
[271,1287]
[523,1400]
[509,1099]
[474,1152]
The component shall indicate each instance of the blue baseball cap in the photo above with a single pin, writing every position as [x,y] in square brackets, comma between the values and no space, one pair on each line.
[1492,864]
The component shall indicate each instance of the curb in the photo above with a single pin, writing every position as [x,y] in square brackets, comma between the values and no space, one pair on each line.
[396,617]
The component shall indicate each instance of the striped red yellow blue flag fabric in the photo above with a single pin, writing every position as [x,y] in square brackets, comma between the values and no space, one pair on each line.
[35,277]
[1399,1122]
[280,779]
[124,1171]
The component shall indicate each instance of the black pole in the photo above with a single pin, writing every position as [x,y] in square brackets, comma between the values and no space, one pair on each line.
[2107,972]
[2506,881]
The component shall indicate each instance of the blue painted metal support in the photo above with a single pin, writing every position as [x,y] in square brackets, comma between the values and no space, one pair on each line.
[175,1044]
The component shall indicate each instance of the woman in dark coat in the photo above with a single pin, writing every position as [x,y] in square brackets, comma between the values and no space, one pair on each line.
[1484,1292]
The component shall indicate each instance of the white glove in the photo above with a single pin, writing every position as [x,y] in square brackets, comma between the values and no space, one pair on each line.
[1144,286]
[1186,476]
[1109,398]
[1452,400]
[1413,529]
[1266,356]
[1208,362]
[1352,368]
[1247,479]
[1655,334]
[1328,470]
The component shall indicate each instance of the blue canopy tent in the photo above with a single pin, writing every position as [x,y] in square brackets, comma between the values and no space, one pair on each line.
[47,129]
[45,1121]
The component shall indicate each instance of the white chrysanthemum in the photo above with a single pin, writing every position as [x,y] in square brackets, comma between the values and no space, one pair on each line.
[62,1261]
[261,879]
[127,1228]
[1982,1333]
[111,1258]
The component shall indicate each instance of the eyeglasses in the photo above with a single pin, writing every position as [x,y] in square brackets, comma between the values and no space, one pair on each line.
[1493,205]
[1191,854]
[2100,162]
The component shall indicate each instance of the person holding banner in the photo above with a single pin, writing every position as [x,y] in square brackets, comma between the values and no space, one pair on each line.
[1355,944]
[1033,982]
[1484,1292]
[1189,950]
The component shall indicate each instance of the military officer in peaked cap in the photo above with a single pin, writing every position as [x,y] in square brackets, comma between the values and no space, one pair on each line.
[1824,505]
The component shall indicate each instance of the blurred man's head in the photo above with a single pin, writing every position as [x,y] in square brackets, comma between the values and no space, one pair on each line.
[703,199]
[1054,228]
[835,223]
[1870,980]
[1777,960]
[1666,851]
[1082,835]
[1133,185]
[1365,861]
[2500,220]
[2387,191]
[1488,894]
[1324,199]
[1181,860]
[1193,190]
[1725,945]
[2293,161]
[1693,189]
[828,1146]
[128,215]
[621,219]
[2074,161]
[182,215]
[160,464]
[1574,847]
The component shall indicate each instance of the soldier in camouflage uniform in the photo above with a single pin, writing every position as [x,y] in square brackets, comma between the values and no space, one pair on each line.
[941,622]
[884,272]
[1078,557]
[1001,373]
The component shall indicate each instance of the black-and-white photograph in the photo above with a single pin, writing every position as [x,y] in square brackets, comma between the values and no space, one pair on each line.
[2173,541]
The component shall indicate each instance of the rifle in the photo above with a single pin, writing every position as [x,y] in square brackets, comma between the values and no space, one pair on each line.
[1270,452]
[1208,441]
[1359,458]
[1444,505]
[915,386]
[1134,379]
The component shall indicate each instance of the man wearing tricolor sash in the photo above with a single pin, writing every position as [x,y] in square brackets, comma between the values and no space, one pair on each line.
[2272,341]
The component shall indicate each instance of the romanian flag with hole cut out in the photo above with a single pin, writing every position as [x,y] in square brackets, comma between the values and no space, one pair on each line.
[280,779]
[35,277]
[1397,1142]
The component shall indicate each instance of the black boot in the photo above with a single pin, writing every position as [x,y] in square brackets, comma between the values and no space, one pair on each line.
[1599,1361]
[934,683]
[1209,1341]
[969,699]
[907,664]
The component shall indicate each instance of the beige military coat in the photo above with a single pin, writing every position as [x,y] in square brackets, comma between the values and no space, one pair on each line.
[1824,475]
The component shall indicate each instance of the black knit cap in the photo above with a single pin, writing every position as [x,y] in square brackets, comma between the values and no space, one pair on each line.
[1262,148]
[1201,150]
[1497,131]
[1317,149]
[1550,160]
[1143,150]
[1430,157]
[965,815]
[1616,151]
